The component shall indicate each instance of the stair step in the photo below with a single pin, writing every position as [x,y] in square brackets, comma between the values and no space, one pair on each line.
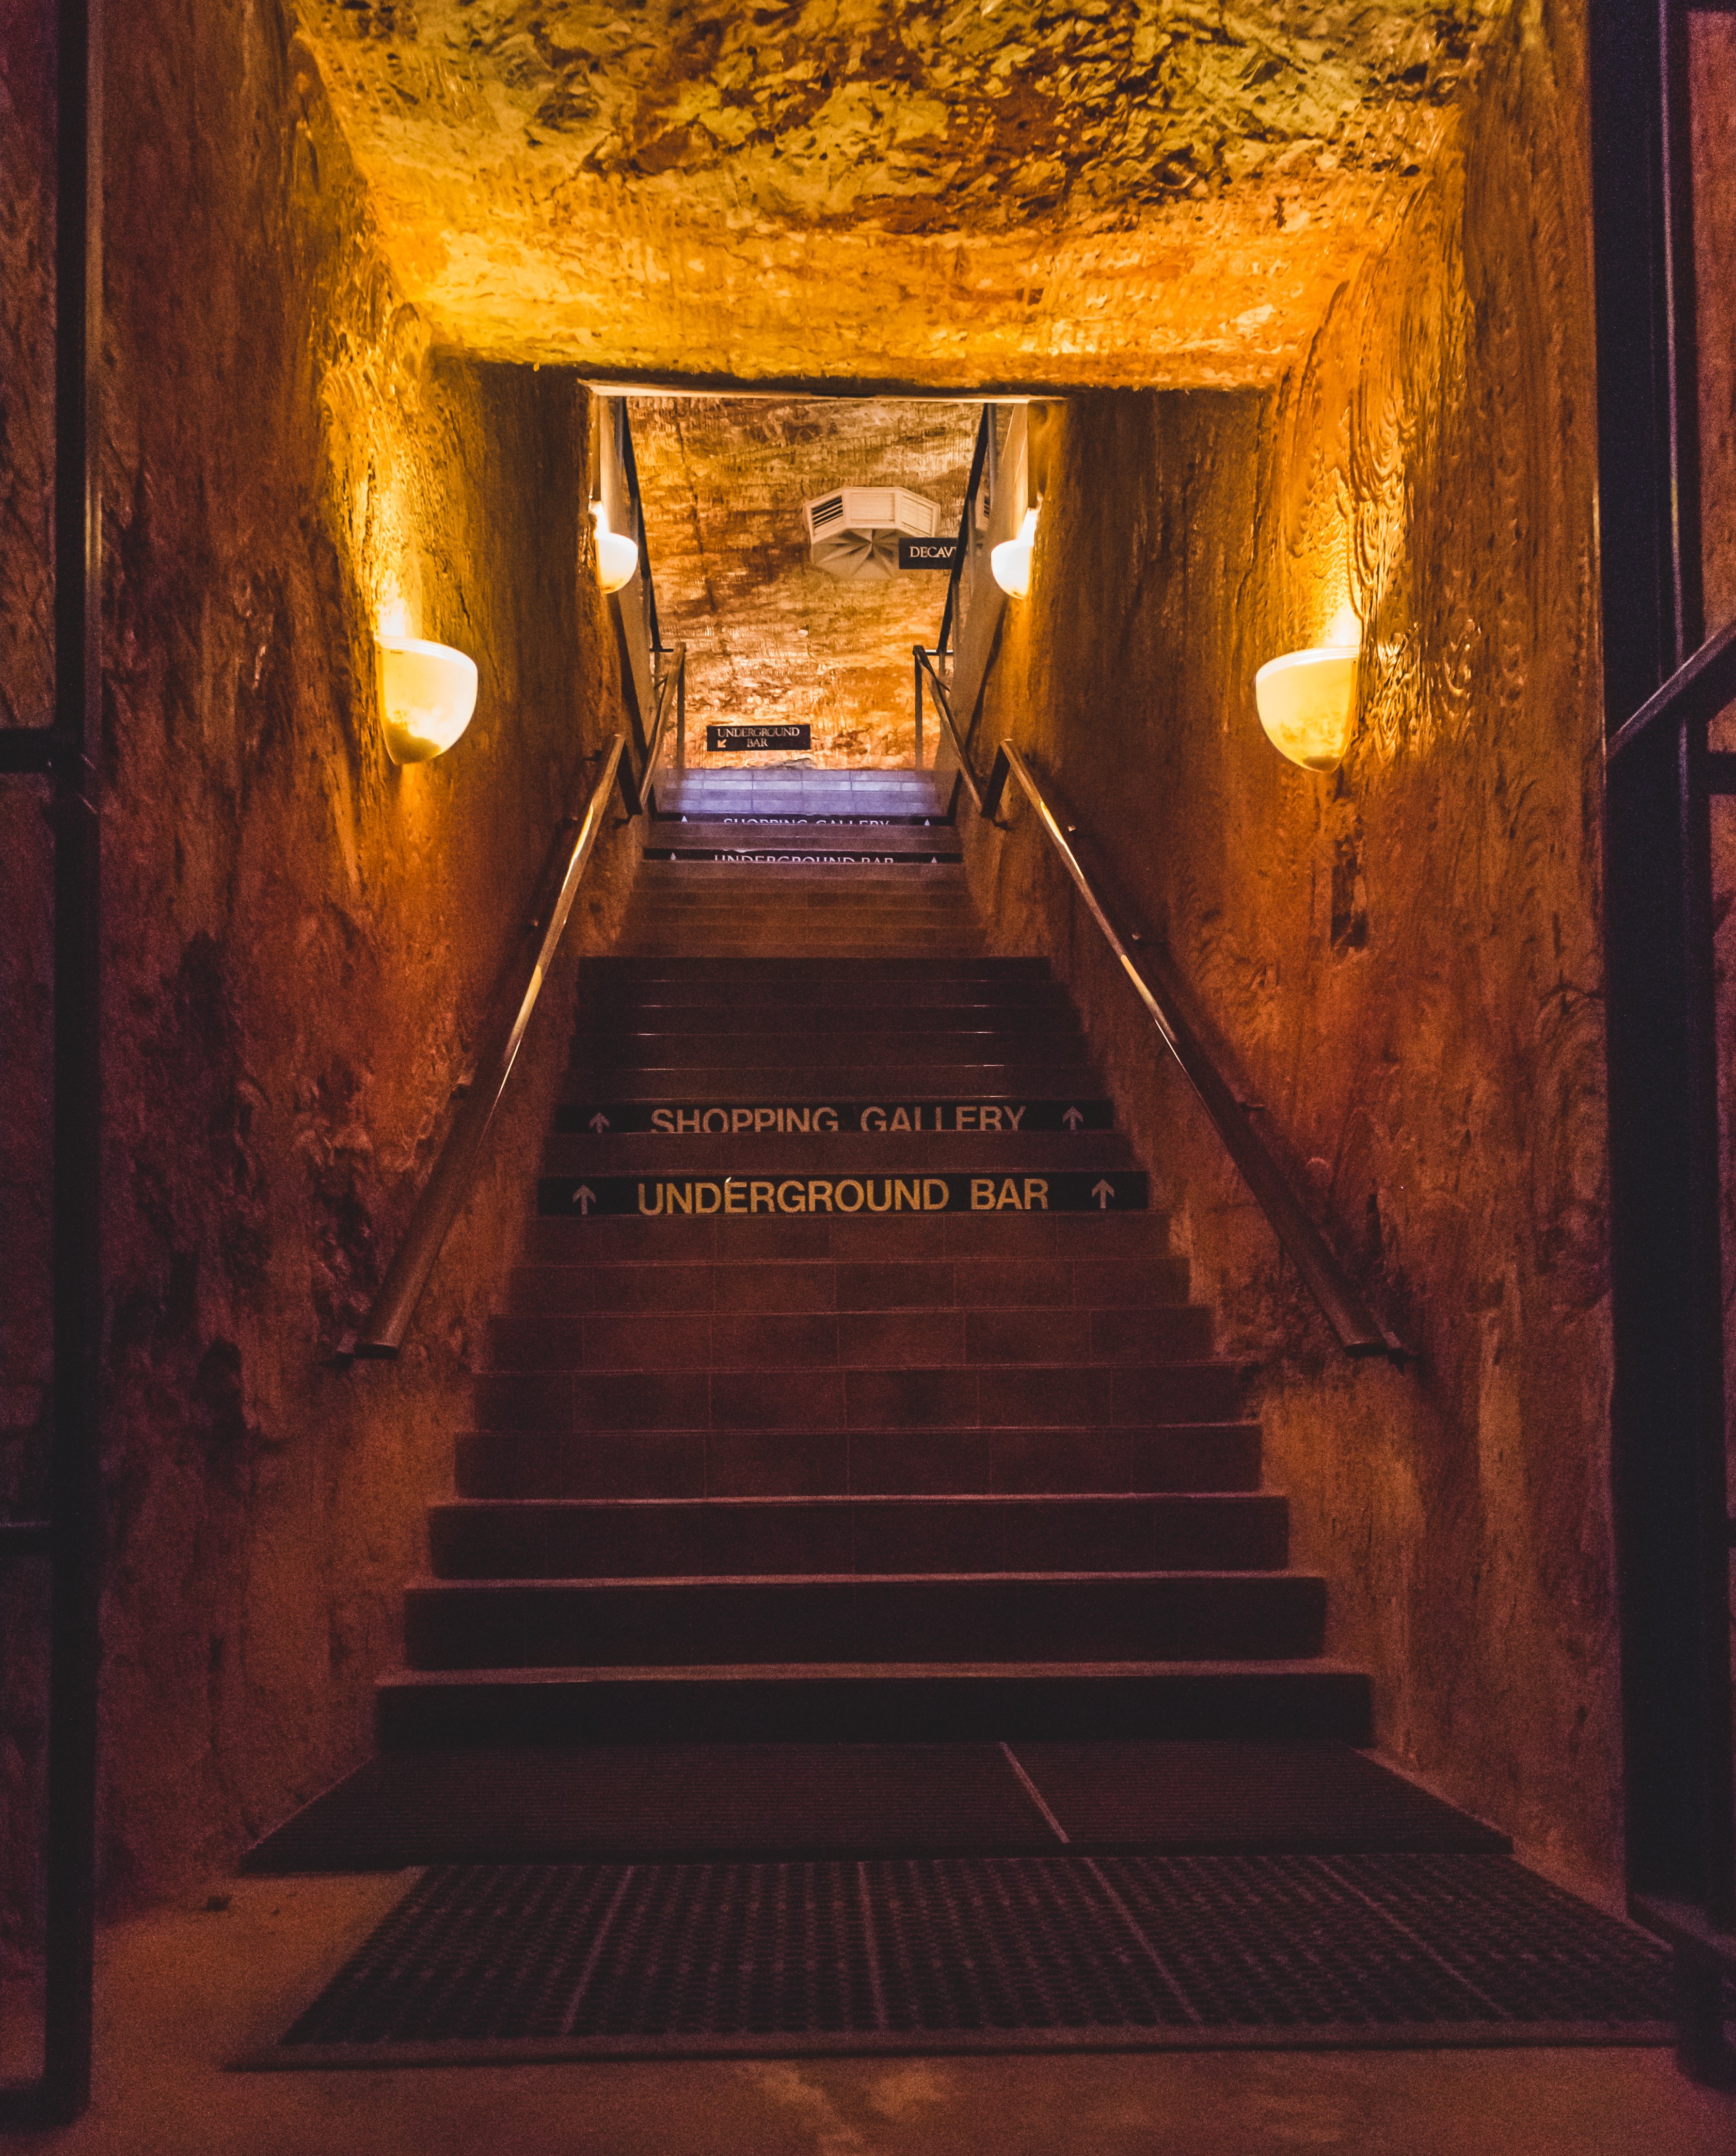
[678,966]
[858,1397]
[1018,1076]
[783,1003]
[817,1703]
[697,1462]
[905,1065]
[842,1153]
[610,1538]
[796,1284]
[884,1235]
[911,1617]
[869,1339]
[659,1010]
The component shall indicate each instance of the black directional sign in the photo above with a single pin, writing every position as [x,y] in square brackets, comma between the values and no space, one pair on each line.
[741,1197]
[872,1118]
[927,554]
[718,739]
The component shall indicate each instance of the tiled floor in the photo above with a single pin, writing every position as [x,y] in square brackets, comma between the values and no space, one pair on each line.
[183,1991]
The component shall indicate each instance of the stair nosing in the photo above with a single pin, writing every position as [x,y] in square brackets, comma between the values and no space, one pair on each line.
[527,1674]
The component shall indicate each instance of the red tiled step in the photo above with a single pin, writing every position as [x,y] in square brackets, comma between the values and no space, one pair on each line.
[786,978]
[839,1153]
[575,1539]
[895,1009]
[864,1617]
[956,1395]
[797,1284]
[1210,1456]
[880,1236]
[752,1084]
[878,1339]
[819,1702]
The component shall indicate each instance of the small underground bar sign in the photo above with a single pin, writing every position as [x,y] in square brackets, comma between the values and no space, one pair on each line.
[677,1119]
[1116,1190]
[927,554]
[720,739]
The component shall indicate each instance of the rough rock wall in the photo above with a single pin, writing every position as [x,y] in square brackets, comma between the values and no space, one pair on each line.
[1401,959]
[770,639]
[1712,52]
[302,939]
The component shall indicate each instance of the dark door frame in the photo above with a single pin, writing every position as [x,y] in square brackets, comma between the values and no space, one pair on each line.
[1662,683]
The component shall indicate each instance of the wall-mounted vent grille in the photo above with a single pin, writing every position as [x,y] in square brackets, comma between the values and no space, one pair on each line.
[853,531]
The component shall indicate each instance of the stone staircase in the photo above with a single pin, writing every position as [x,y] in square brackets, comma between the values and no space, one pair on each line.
[847,1389]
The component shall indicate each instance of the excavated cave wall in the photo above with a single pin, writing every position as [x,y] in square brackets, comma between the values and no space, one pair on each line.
[1401,961]
[302,938]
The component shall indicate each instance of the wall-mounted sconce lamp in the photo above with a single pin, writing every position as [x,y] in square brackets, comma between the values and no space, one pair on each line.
[617,557]
[1009,563]
[428,692]
[1306,700]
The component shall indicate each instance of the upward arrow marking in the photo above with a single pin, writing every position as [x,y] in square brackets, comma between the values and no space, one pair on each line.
[1102,1192]
[1072,1119]
[600,1123]
[585,1198]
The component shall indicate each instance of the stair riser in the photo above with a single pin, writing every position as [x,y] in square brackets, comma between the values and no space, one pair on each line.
[895,1020]
[898,1339]
[1122,1534]
[778,1007]
[873,1238]
[652,939]
[940,1284]
[1177,1617]
[909,1709]
[822,1399]
[754,1084]
[840,1153]
[787,977]
[699,1463]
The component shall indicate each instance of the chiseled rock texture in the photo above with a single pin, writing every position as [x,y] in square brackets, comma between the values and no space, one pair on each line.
[948,192]
[302,939]
[1402,960]
[1712,75]
[770,639]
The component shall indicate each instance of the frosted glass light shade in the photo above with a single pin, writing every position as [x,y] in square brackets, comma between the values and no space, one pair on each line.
[1306,699]
[428,692]
[617,557]
[1009,563]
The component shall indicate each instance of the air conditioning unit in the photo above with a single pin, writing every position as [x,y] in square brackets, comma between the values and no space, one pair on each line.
[853,531]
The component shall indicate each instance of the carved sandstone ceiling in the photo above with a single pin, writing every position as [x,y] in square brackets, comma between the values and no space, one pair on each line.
[947,193]
[768,637]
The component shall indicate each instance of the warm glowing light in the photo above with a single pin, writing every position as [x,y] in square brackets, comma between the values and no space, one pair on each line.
[428,692]
[1009,563]
[617,558]
[1306,699]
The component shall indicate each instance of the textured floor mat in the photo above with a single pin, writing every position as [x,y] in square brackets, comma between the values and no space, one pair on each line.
[1063,1952]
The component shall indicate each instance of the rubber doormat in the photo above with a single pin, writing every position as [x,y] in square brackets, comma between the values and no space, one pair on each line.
[487,1963]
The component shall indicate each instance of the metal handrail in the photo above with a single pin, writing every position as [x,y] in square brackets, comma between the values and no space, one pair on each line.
[967,776]
[671,691]
[979,453]
[446,1188]
[1359,1333]
[1698,691]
